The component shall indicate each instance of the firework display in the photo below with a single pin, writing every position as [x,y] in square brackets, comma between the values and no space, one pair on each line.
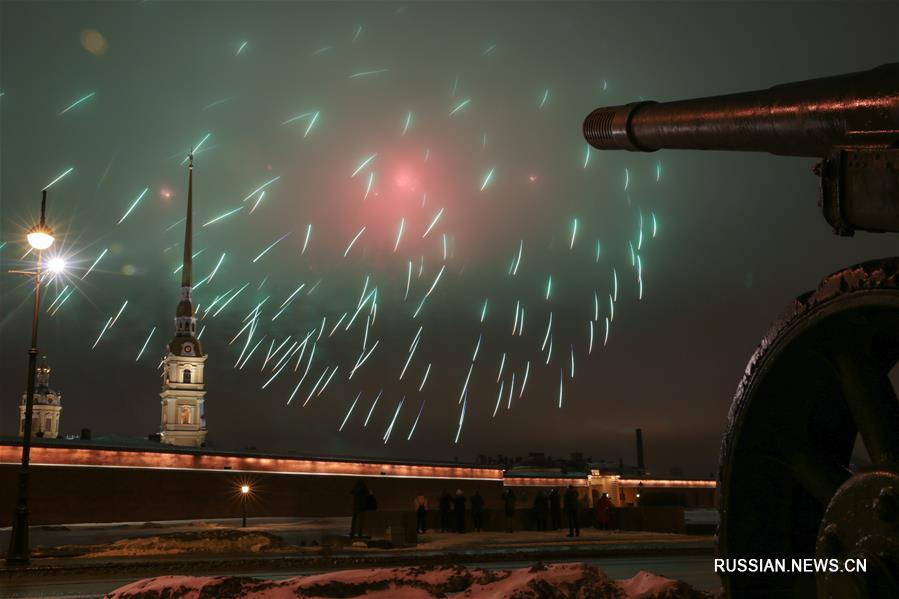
[397,226]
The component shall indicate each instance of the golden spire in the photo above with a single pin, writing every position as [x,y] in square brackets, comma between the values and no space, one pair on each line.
[187,270]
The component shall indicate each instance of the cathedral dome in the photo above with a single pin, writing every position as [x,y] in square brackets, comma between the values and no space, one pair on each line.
[43,394]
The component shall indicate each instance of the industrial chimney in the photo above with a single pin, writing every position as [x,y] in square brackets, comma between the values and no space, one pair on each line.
[641,466]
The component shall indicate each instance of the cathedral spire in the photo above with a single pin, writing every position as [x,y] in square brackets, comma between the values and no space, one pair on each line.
[183,392]
[187,270]
[185,319]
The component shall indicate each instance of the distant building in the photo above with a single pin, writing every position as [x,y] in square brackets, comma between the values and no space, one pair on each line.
[47,406]
[626,486]
[623,490]
[183,417]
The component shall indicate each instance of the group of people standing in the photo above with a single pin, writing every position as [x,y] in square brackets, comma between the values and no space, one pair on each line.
[452,511]
[546,511]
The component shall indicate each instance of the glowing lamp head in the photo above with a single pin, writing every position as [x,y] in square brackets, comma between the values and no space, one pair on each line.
[245,489]
[40,237]
[56,265]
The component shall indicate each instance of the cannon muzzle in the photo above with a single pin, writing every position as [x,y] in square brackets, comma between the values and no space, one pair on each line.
[806,118]
[851,122]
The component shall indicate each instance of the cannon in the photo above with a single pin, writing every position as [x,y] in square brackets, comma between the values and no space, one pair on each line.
[817,388]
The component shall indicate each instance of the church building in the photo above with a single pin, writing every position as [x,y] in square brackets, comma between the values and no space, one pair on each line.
[183,392]
[47,406]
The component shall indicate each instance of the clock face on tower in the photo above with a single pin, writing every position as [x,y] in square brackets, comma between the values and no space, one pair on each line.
[187,349]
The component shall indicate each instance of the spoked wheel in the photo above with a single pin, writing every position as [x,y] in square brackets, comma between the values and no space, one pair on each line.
[818,381]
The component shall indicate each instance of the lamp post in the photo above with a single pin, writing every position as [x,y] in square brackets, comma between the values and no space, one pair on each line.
[244,492]
[40,238]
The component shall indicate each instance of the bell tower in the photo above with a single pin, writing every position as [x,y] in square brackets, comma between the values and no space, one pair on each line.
[47,406]
[183,417]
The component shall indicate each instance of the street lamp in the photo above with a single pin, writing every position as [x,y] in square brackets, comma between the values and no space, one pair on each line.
[244,493]
[40,238]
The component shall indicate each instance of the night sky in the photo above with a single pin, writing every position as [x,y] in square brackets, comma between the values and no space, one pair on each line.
[473,114]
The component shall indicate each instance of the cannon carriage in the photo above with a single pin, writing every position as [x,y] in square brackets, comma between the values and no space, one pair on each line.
[819,380]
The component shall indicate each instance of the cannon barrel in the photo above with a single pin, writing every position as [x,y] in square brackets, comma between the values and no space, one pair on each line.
[806,118]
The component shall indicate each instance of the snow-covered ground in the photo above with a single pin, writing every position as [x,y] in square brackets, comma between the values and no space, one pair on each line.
[210,542]
[555,580]
[300,536]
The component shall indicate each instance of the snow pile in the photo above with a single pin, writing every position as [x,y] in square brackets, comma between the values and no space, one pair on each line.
[560,581]
[647,584]
[206,541]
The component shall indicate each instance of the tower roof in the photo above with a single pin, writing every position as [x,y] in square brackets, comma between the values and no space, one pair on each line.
[185,308]
[42,375]
[43,394]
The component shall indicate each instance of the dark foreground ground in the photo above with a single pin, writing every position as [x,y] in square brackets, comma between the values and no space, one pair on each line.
[89,560]
[695,570]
